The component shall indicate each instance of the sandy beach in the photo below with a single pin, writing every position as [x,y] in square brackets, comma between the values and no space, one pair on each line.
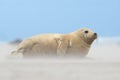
[102,63]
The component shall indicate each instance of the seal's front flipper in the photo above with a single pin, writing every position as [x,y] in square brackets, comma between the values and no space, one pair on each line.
[63,46]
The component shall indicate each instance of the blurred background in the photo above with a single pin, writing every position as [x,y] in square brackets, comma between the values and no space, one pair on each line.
[24,18]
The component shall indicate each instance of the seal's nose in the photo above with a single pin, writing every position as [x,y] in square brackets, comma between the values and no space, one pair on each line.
[95,34]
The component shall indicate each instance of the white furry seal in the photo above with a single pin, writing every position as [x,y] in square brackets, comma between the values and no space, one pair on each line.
[75,44]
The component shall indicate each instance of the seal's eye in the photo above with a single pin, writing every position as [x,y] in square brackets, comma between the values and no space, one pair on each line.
[86,31]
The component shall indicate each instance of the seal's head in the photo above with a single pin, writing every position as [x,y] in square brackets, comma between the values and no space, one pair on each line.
[87,35]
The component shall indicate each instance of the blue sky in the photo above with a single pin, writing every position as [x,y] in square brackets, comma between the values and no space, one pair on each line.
[24,18]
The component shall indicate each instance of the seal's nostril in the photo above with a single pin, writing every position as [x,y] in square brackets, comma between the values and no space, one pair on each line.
[95,33]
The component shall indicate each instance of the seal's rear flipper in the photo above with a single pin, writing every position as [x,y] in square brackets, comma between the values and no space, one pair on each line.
[16,53]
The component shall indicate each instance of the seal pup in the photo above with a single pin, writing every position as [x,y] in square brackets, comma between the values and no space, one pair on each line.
[76,43]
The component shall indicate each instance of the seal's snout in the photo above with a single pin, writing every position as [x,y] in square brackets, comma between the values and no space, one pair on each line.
[95,35]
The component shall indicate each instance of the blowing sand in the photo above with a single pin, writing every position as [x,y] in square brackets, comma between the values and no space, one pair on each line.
[102,63]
